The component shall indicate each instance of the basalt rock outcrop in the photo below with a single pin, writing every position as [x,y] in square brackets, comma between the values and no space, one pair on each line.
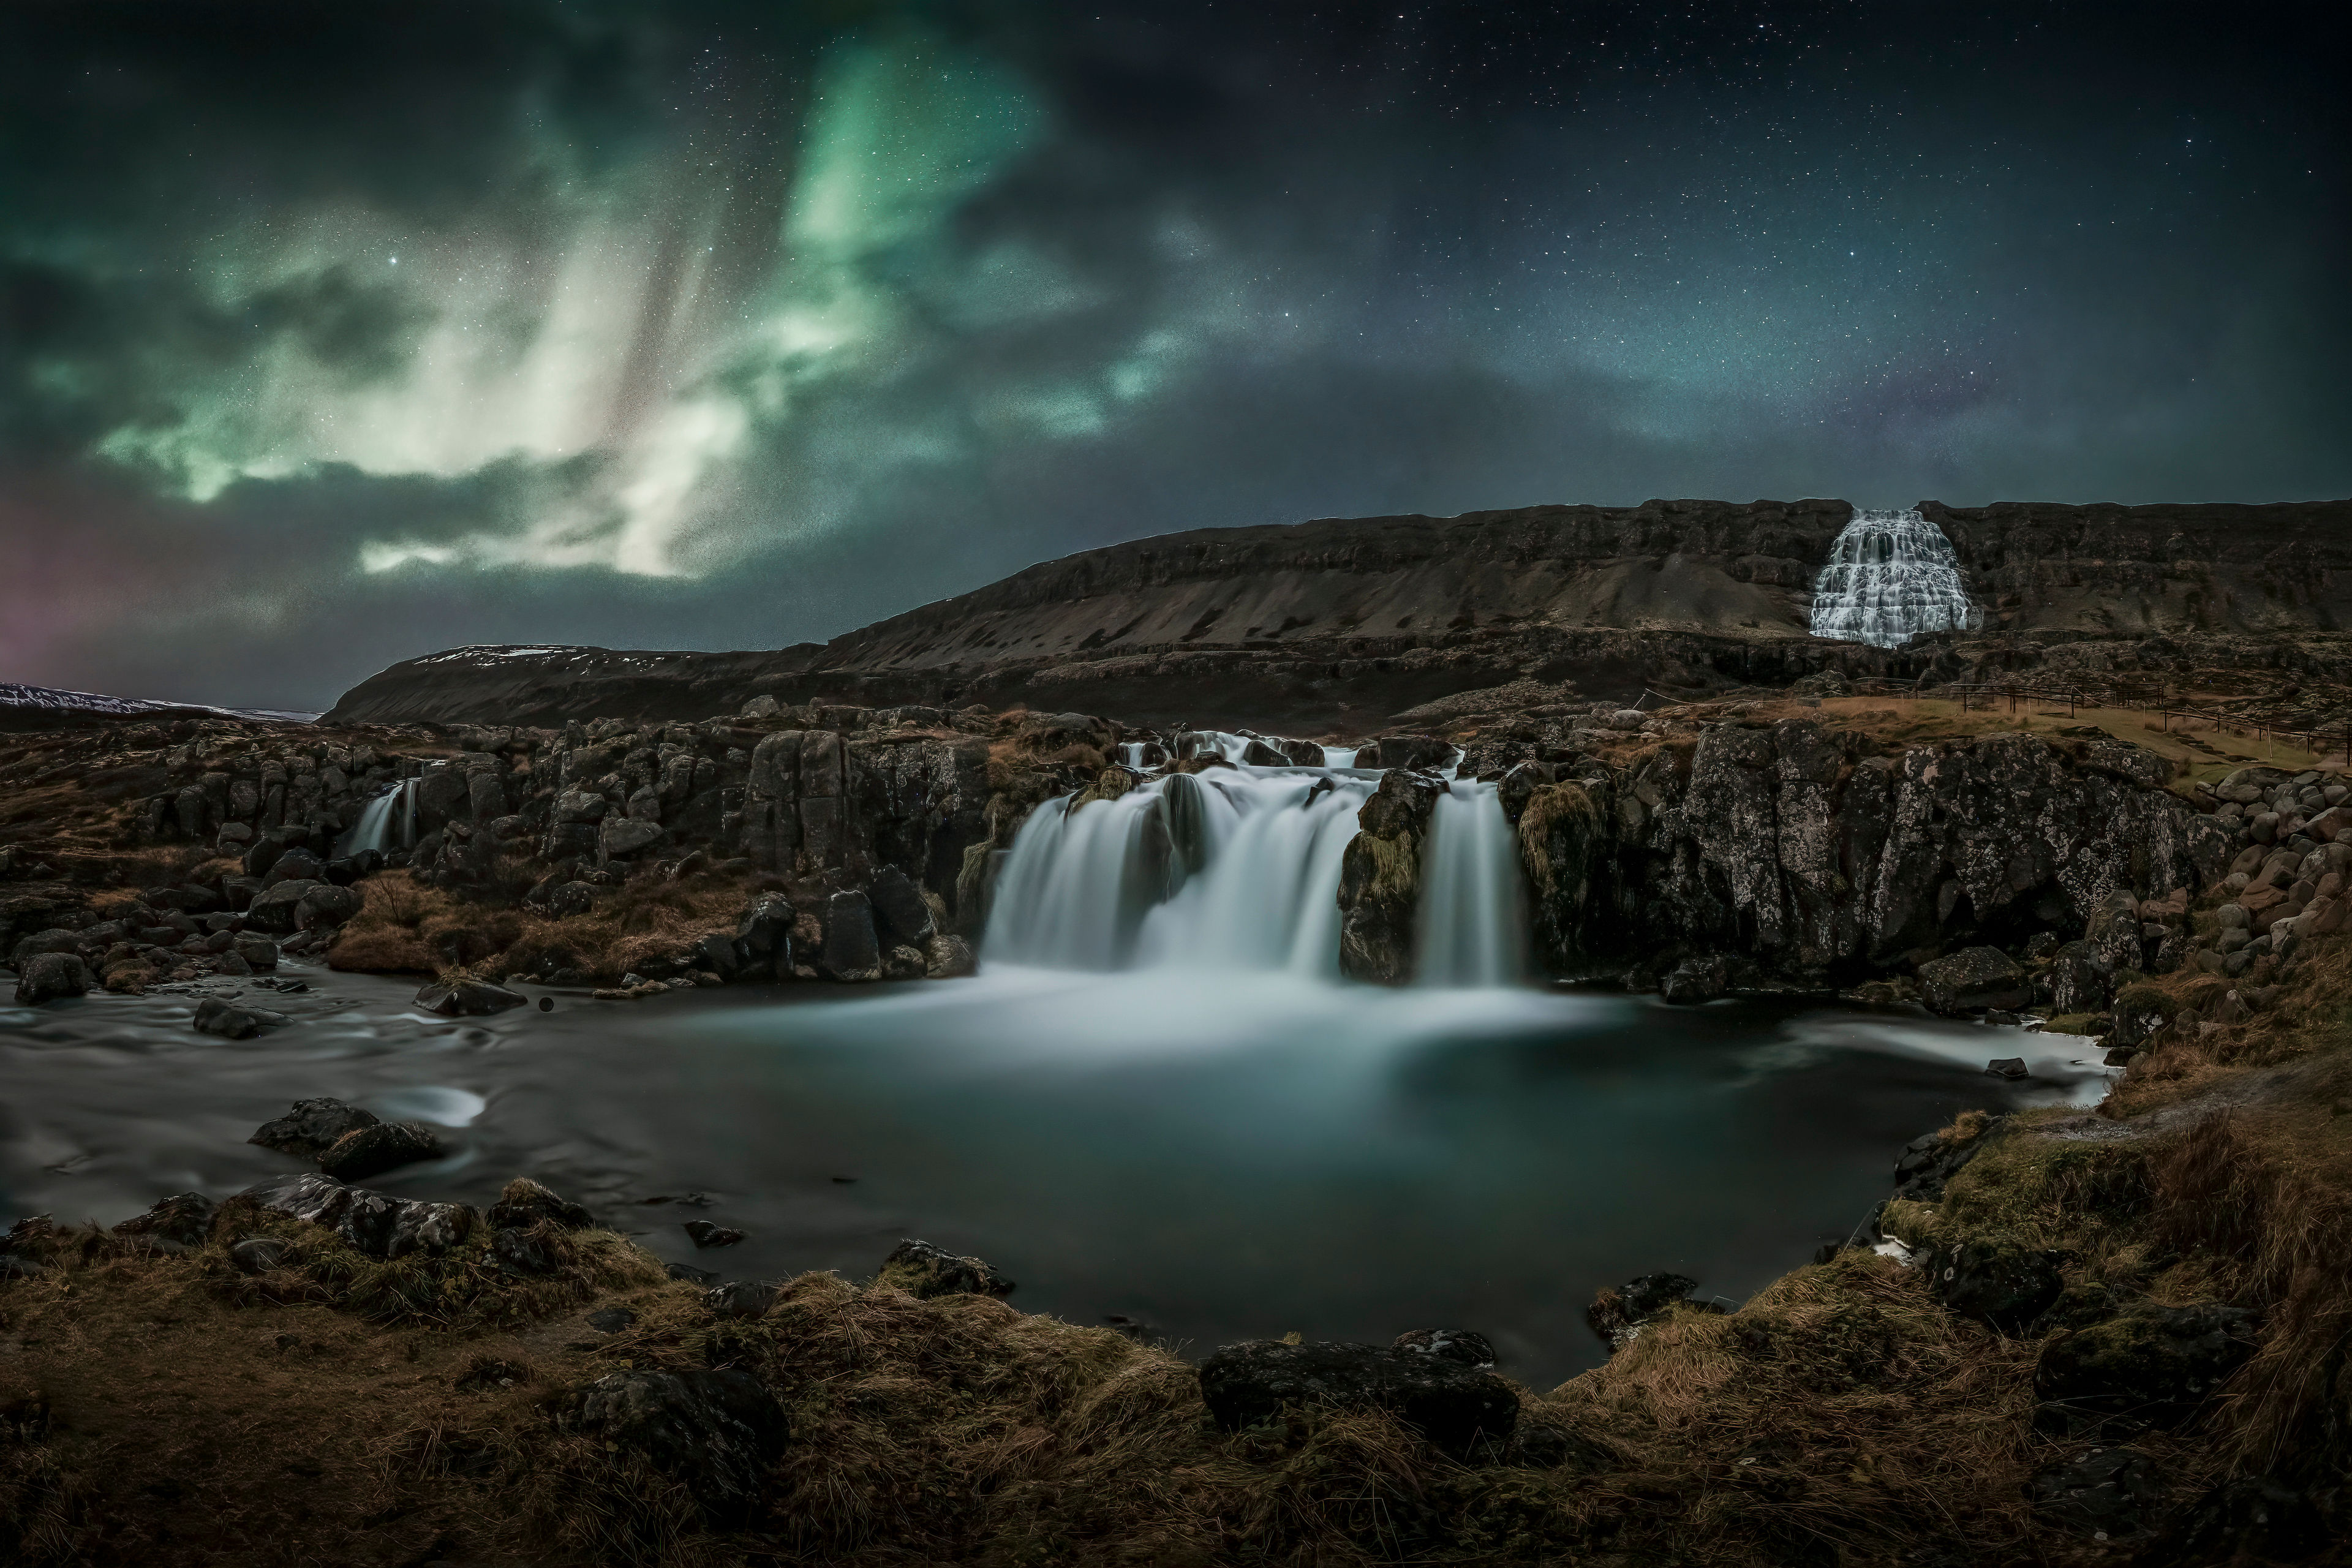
[1342,622]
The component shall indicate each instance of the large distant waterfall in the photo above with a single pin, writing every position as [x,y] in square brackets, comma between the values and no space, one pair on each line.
[1239,868]
[1891,575]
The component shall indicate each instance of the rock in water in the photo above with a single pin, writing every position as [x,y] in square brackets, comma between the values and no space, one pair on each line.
[1972,980]
[51,976]
[924,1271]
[705,1234]
[311,1127]
[1620,1315]
[898,907]
[371,1151]
[1455,1405]
[467,998]
[717,1432]
[215,1015]
[2007,1066]
[852,951]
[1457,1345]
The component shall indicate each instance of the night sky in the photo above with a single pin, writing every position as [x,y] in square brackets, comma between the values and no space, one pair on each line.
[331,334]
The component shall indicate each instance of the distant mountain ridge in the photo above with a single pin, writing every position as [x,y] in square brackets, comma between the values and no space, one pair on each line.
[21,703]
[1345,621]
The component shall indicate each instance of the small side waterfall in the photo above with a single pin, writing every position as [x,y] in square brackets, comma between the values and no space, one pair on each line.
[386,822]
[1238,869]
[1472,928]
[1891,575]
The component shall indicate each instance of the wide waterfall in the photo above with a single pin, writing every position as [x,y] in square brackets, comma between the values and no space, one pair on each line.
[1891,575]
[1238,869]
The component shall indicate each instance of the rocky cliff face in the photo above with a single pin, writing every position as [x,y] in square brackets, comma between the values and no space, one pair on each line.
[1339,624]
[1803,853]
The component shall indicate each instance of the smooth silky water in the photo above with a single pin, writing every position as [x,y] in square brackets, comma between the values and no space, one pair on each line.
[1161,1103]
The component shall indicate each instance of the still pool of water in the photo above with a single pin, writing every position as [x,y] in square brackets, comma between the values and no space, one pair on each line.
[1218,1155]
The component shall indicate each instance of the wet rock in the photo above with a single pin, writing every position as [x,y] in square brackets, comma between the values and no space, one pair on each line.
[705,1234]
[371,1151]
[948,958]
[1460,1346]
[1380,878]
[1620,1314]
[258,950]
[2081,978]
[1928,1162]
[1455,1405]
[1997,1281]
[715,1432]
[2110,1493]
[1972,980]
[311,1127]
[763,938]
[318,1200]
[52,977]
[184,1219]
[526,1203]
[215,1015]
[741,1298]
[1696,980]
[2150,1362]
[2011,1067]
[852,951]
[899,911]
[260,1254]
[326,908]
[924,1271]
[383,1226]
[467,998]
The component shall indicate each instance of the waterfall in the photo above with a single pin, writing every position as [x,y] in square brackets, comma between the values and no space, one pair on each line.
[1471,927]
[1890,576]
[387,822]
[1238,869]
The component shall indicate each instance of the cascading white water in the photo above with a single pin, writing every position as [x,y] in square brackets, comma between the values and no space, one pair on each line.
[1890,576]
[386,822]
[1238,869]
[1471,927]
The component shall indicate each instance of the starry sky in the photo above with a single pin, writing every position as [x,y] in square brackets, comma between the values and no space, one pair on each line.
[333,334]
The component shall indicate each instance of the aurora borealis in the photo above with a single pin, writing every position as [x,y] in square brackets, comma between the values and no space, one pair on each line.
[333,335]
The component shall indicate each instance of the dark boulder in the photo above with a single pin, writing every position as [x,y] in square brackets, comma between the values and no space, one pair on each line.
[1620,1315]
[2108,1492]
[1381,875]
[898,907]
[523,1251]
[327,908]
[311,1127]
[183,1220]
[52,977]
[275,907]
[923,1271]
[376,1224]
[467,998]
[2255,1519]
[851,949]
[526,1203]
[296,864]
[705,1234]
[1696,980]
[1456,1406]
[1972,980]
[1405,751]
[216,1015]
[1457,1345]
[2148,1363]
[764,937]
[1997,1281]
[57,938]
[715,1432]
[371,1151]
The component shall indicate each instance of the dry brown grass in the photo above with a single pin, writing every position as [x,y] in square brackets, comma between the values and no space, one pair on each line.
[405,926]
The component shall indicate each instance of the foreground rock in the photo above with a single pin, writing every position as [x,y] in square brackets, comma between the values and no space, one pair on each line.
[924,1271]
[51,978]
[1618,1315]
[715,1432]
[1455,1405]
[371,1151]
[469,998]
[311,1127]
[376,1224]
